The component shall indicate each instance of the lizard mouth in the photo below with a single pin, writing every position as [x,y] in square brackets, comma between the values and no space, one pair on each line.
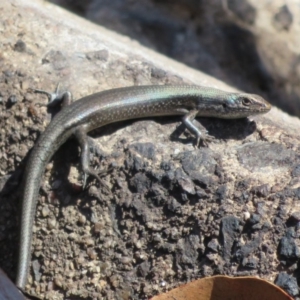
[265,107]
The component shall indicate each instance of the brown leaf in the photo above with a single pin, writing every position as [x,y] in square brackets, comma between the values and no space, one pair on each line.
[226,288]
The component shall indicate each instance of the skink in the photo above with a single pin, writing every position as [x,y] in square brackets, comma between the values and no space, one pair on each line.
[114,105]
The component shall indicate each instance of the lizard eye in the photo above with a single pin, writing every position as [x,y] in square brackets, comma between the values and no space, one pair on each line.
[246,101]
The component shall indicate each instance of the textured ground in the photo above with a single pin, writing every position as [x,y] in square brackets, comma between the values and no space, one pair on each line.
[174,213]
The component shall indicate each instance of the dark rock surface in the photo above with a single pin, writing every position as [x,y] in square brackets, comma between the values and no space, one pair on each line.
[174,213]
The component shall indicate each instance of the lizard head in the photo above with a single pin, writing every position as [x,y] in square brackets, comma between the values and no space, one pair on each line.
[242,105]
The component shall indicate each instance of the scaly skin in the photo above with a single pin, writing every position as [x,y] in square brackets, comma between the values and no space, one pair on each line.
[115,105]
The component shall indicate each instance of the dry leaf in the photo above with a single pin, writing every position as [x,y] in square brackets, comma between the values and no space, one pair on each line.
[226,288]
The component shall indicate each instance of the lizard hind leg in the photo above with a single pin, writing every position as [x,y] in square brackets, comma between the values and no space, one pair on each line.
[64,99]
[83,140]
